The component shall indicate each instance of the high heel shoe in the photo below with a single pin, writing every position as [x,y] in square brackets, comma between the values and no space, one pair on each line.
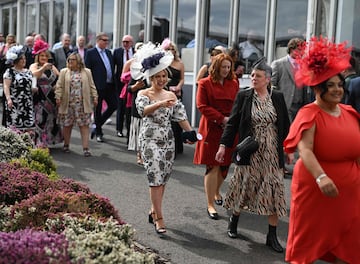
[151,218]
[161,229]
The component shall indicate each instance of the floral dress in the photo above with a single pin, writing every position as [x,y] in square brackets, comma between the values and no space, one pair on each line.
[48,132]
[156,138]
[259,188]
[21,115]
[75,114]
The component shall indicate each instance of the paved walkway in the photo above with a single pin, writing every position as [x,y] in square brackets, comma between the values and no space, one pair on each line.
[191,236]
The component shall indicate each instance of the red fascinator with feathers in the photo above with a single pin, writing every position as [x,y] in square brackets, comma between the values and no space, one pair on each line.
[40,46]
[320,59]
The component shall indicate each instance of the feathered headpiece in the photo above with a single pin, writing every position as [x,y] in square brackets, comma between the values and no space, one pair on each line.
[40,46]
[320,59]
[149,60]
[14,53]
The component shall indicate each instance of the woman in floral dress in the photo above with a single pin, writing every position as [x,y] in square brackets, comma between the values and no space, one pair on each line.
[47,131]
[158,108]
[75,96]
[18,91]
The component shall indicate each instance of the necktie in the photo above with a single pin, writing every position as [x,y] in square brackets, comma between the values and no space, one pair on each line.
[127,55]
[107,66]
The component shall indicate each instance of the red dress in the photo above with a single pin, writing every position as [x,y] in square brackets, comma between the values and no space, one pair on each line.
[214,102]
[322,227]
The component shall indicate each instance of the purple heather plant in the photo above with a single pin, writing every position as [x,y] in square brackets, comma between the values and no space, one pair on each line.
[33,212]
[33,247]
[17,184]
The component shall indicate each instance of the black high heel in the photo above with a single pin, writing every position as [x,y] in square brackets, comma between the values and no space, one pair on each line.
[151,219]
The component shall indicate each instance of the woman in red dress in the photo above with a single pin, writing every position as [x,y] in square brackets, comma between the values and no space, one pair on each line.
[325,191]
[215,97]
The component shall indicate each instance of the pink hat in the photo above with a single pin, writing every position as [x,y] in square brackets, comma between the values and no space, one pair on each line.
[40,46]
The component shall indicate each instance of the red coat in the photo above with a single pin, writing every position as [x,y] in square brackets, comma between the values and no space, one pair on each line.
[214,102]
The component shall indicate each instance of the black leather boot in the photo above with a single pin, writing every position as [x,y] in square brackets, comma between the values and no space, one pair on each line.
[232,227]
[273,243]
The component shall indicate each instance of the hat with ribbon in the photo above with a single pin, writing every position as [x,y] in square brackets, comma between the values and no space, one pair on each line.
[149,60]
[319,59]
[40,46]
[14,53]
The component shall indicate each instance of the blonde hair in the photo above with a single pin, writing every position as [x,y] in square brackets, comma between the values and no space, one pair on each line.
[80,62]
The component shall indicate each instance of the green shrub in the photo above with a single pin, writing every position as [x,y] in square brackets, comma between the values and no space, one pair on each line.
[39,159]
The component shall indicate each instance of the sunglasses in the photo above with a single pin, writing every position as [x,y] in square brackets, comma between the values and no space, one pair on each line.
[71,60]
[105,40]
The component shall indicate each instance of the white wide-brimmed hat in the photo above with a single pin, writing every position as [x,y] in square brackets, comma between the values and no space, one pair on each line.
[149,60]
[14,53]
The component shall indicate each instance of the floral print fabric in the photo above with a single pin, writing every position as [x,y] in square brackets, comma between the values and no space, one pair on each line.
[156,138]
[21,115]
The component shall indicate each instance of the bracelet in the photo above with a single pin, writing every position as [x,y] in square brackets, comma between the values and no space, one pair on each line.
[318,179]
[222,145]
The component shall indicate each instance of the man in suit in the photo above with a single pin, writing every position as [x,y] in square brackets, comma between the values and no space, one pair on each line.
[353,97]
[80,46]
[121,55]
[283,78]
[28,46]
[101,63]
[61,53]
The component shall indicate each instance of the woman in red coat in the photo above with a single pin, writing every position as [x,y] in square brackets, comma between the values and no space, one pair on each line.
[215,97]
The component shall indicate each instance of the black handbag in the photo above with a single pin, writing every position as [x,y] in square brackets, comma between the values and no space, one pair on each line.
[244,149]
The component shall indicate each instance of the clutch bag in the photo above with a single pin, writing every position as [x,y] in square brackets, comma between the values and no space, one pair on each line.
[244,149]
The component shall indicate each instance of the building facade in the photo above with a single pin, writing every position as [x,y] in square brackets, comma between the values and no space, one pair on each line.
[194,25]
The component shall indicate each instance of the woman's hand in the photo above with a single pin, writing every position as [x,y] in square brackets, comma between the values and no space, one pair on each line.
[95,102]
[9,103]
[167,103]
[328,187]
[58,102]
[290,157]
[220,154]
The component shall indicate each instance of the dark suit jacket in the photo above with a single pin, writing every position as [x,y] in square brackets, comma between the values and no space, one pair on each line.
[94,62]
[119,64]
[353,97]
[240,121]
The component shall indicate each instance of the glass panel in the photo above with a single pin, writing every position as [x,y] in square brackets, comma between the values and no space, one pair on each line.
[186,23]
[14,25]
[72,21]
[349,24]
[90,22]
[252,31]
[30,18]
[58,19]
[217,33]
[161,10]
[44,19]
[290,23]
[108,21]
[6,18]
[136,18]
[322,25]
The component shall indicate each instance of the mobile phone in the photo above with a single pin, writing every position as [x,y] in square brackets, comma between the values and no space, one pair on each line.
[50,60]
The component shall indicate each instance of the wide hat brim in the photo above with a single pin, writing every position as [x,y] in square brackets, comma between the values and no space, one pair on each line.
[146,51]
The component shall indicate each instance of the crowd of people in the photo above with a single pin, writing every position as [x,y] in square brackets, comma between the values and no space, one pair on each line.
[301,109]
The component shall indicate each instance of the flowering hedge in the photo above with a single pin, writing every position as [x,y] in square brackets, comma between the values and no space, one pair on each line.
[44,219]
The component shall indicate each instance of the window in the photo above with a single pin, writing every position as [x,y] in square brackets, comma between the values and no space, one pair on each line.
[44,19]
[290,23]
[90,21]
